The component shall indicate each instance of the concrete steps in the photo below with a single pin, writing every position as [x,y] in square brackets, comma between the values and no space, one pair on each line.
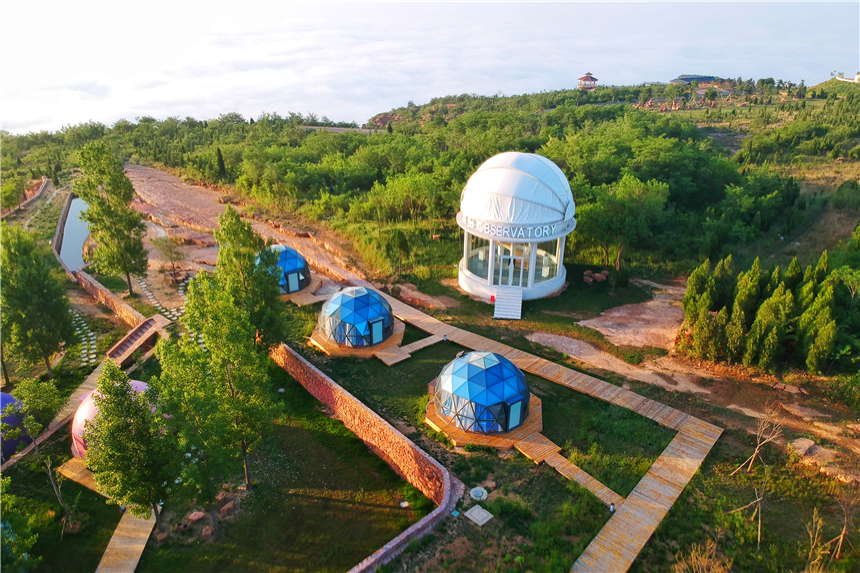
[509,303]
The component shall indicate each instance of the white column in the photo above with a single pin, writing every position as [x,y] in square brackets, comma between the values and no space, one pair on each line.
[532,259]
[560,254]
[492,267]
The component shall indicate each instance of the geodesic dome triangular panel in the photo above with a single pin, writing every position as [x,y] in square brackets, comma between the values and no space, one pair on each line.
[292,270]
[356,317]
[482,392]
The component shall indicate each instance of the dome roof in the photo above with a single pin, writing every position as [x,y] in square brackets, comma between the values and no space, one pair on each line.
[87,410]
[12,419]
[291,262]
[518,189]
[349,316]
[476,391]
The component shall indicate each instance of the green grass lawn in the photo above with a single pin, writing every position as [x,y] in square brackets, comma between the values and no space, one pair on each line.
[80,552]
[323,502]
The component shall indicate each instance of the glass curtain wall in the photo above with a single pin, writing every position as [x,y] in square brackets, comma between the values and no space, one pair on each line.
[546,261]
[478,255]
[511,265]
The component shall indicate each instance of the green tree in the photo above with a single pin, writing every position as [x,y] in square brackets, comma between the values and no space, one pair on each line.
[220,399]
[170,250]
[222,169]
[851,279]
[821,271]
[17,536]
[624,213]
[11,191]
[39,403]
[246,271]
[34,310]
[130,459]
[398,248]
[698,284]
[117,229]
[793,275]
[736,334]
[724,283]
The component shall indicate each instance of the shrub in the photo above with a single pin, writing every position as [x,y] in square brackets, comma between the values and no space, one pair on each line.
[847,196]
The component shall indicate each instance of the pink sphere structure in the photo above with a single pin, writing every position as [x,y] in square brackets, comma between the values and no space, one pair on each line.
[87,410]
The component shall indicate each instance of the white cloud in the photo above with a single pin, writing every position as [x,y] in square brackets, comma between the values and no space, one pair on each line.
[348,61]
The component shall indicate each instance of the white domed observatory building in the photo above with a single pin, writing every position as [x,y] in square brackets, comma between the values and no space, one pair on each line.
[516,210]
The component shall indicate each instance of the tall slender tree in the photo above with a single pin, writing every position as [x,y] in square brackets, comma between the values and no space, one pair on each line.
[132,460]
[219,399]
[116,228]
[34,310]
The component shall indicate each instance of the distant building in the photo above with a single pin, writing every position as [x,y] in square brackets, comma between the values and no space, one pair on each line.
[842,78]
[704,81]
[587,82]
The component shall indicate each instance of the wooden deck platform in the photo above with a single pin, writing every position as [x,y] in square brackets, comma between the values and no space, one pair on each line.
[307,296]
[625,534]
[333,349]
[532,426]
[126,545]
[76,470]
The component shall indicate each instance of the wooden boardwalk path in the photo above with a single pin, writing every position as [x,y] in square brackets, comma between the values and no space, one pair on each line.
[76,470]
[89,384]
[636,518]
[126,545]
[129,539]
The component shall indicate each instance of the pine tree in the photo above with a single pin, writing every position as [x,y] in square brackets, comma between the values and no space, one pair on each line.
[816,317]
[699,283]
[773,282]
[821,269]
[702,333]
[222,169]
[718,343]
[725,283]
[770,350]
[793,275]
[749,290]
[821,349]
[736,335]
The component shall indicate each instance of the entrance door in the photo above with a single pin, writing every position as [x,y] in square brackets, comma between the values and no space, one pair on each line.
[376,331]
[514,415]
[512,264]
[293,279]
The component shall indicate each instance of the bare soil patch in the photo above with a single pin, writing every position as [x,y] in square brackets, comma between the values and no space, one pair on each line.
[653,323]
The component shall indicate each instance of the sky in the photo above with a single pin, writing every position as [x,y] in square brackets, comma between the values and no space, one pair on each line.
[71,62]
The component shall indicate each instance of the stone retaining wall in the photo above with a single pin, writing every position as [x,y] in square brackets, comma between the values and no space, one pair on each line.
[407,459]
[109,299]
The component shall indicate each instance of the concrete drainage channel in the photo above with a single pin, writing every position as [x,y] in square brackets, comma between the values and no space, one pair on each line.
[88,340]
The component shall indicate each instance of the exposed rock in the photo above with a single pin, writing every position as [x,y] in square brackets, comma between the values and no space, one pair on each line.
[228,508]
[587,279]
[206,534]
[196,516]
[222,495]
[162,537]
[791,389]
[804,412]
[829,428]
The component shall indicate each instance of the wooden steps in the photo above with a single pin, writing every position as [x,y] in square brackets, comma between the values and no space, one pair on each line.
[137,337]
[509,303]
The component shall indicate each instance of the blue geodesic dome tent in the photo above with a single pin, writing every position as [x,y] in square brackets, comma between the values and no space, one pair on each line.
[482,392]
[293,271]
[356,317]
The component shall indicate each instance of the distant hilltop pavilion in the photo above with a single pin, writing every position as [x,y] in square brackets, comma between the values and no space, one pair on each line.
[841,77]
[704,81]
[587,82]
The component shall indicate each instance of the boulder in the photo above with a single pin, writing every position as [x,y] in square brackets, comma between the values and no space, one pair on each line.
[196,516]
[222,495]
[588,280]
[804,412]
[587,273]
[206,534]
[228,508]
[162,537]
[600,277]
